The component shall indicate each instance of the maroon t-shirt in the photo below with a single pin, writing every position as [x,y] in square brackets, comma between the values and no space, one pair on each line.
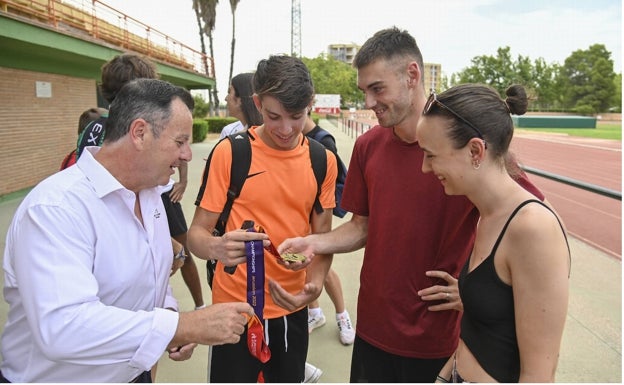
[413,227]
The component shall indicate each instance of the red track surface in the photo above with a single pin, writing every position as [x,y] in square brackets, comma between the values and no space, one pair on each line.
[588,216]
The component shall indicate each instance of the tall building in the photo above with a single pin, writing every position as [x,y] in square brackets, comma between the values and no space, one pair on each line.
[433,77]
[343,52]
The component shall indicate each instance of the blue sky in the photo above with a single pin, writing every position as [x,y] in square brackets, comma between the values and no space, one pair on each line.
[449,32]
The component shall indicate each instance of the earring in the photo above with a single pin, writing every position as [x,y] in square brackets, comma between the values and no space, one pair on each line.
[476,164]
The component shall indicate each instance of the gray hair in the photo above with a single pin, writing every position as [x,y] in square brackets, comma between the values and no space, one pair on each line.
[148,99]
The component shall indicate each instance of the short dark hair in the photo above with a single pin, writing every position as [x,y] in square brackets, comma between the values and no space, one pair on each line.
[149,99]
[87,117]
[285,78]
[243,89]
[123,68]
[389,44]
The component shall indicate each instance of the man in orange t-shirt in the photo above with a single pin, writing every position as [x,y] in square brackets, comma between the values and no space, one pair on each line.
[278,194]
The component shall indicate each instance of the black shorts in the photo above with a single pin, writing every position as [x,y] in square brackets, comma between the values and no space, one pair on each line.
[175,216]
[371,364]
[289,349]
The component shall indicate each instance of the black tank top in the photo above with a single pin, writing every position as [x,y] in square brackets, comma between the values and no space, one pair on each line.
[488,326]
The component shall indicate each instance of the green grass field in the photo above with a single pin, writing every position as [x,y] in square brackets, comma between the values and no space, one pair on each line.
[602,131]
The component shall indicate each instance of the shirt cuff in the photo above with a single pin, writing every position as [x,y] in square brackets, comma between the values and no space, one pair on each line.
[164,326]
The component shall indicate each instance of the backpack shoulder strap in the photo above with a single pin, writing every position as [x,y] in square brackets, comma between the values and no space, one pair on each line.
[320,134]
[318,157]
[241,162]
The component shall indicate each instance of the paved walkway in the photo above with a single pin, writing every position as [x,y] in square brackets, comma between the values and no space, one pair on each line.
[592,344]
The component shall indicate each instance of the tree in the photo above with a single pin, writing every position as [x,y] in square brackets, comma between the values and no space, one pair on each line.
[206,10]
[497,71]
[588,80]
[616,102]
[233,5]
[202,108]
[196,8]
[548,95]
[331,76]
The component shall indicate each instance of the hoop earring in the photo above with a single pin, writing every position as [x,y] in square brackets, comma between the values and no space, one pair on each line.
[476,164]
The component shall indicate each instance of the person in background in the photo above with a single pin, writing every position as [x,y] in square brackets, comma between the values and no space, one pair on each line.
[406,324]
[332,283]
[88,256]
[240,104]
[333,286]
[178,230]
[279,196]
[514,287]
[85,118]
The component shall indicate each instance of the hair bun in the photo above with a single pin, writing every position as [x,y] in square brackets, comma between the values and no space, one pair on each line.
[516,101]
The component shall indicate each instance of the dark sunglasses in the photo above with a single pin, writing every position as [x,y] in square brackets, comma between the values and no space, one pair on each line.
[433,99]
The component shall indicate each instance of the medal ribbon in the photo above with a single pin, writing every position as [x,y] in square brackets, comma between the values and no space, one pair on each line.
[255,297]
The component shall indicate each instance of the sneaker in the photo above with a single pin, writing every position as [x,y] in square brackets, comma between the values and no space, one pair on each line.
[347,333]
[312,373]
[316,321]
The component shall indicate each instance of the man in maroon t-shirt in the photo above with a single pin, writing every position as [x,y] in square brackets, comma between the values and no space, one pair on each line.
[419,237]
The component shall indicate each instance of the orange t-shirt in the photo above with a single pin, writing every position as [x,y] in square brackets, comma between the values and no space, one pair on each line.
[278,194]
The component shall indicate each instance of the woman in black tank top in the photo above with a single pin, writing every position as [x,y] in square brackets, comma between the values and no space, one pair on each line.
[514,287]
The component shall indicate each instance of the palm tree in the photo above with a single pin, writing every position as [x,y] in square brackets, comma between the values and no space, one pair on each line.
[233,5]
[206,11]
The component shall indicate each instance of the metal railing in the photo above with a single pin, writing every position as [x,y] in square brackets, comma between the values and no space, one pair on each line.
[96,20]
[575,183]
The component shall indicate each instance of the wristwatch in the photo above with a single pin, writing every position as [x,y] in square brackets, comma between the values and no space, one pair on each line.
[181,255]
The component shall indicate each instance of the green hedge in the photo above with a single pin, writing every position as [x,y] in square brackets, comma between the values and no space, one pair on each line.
[215,125]
[201,127]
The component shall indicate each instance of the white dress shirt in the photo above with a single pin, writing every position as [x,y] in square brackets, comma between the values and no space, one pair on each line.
[232,128]
[86,282]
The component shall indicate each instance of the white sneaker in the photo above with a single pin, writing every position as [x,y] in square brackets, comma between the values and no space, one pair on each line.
[312,373]
[347,333]
[316,321]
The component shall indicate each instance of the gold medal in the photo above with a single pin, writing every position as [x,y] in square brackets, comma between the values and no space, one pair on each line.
[293,257]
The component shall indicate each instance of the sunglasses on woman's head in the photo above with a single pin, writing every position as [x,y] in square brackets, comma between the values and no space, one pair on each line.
[433,99]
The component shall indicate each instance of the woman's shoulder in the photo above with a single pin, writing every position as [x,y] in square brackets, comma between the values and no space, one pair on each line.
[536,232]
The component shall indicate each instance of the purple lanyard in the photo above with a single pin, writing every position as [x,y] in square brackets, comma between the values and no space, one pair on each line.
[255,276]
[255,297]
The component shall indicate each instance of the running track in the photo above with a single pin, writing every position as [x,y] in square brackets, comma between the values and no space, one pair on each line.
[588,216]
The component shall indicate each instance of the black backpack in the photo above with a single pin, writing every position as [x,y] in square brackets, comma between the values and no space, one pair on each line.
[92,135]
[241,161]
[342,174]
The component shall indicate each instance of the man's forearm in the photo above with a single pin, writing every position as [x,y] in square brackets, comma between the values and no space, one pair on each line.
[349,236]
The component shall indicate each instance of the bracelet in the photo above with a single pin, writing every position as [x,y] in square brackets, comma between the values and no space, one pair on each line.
[442,379]
[181,255]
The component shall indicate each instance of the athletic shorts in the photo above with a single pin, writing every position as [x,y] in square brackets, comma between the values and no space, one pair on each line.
[175,216]
[371,364]
[288,342]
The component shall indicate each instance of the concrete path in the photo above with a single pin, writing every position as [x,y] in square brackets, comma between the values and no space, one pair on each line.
[592,344]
